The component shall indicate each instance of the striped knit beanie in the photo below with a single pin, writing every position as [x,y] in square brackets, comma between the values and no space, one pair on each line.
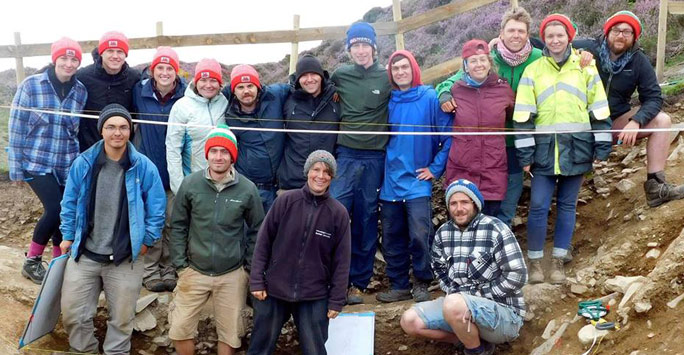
[468,188]
[221,136]
[627,17]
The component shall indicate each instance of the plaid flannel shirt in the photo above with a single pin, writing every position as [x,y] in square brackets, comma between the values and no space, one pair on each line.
[43,143]
[483,260]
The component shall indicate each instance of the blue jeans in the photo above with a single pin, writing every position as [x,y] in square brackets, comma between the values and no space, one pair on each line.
[491,208]
[357,187]
[268,196]
[543,187]
[514,190]
[406,238]
[496,322]
[310,317]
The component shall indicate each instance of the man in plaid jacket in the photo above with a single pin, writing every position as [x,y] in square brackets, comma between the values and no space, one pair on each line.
[480,266]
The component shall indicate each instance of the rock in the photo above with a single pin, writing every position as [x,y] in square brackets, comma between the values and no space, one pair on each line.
[599,181]
[627,217]
[649,324]
[162,341]
[144,320]
[651,335]
[550,327]
[549,344]
[517,221]
[588,332]
[403,348]
[630,157]
[540,296]
[578,289]
[641,307]
[622,283]
[653,254]
[625,185]
[674,302]
[630,292]
[612,302]
[602,190]
[163,299]
[529,315]
[652,245]
[611,214]
[145,301]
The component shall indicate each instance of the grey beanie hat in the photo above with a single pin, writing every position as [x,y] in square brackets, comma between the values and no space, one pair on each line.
[468,188]
[321,156]
[110,111]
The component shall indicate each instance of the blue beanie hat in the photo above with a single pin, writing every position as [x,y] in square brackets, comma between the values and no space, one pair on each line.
[361,32]
[468,188]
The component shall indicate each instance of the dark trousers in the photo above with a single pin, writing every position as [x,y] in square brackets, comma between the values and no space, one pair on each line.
[491,208]
[357,186]
[49,192]
[406,240]
[310,317]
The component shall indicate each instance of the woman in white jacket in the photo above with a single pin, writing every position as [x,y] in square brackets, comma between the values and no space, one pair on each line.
[201,108]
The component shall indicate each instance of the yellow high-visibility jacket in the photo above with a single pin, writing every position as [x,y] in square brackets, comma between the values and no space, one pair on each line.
[567,101]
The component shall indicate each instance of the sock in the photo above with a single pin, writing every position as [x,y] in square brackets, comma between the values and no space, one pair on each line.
[655,176]
[56,251]
[35,249]
[477,350]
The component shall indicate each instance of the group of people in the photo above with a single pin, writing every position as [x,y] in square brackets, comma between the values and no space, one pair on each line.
[215,201]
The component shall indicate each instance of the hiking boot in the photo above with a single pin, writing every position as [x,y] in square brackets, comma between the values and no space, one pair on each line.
[536,272]
[393,296]
[488,349]
[658,191]
[170,285]
[568,257]
[155,285]
[420,292]
[557,275]
[33,269]
[354,296]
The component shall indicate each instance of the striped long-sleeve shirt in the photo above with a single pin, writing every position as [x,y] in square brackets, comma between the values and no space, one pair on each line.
[43,143]
[483,260]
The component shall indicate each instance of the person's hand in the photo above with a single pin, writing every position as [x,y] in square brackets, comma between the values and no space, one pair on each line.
[143,249]
[449,106]
[585,58]
[526,168]
[65,245]
[424,174]
[260,295]
[336,97]
[332,314]
[629,138]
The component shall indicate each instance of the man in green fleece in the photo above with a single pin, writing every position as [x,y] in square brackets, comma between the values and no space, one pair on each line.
[363,87]
[209,246]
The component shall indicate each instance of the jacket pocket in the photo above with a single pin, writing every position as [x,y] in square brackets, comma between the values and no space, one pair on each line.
[463,153]
[36,122]
[479,267]
[495,153]
[229,210]
[375,98]
[582,147]
[543,150]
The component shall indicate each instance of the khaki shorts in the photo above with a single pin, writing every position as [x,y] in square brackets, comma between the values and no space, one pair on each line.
[228,293]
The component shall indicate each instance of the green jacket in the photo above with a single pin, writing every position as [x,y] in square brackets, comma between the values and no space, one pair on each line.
[511,74]
[364,96]
[208,226]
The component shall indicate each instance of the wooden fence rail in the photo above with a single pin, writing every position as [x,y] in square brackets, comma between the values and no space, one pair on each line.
[294,36]
[666,6]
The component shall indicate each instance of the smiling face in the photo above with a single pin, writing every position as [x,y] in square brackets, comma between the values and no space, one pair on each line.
[318,178]
[620,38]
[115,132]
[402,74]
[246,93]
[219,159]
[462,209]
[556,38]
[478,66]
[164,75]
[311,83]
[362,54]
[208,87]
[65,67]
[514,35]
[113,60]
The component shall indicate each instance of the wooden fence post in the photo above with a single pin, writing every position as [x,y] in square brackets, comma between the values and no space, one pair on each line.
[514,4]
[160,28]
[662,36]
[294,56]
[396,13]
[18,59]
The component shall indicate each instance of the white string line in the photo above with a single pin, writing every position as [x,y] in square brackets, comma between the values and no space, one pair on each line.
[385,133]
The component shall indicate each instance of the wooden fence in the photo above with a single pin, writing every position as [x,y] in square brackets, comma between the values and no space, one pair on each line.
[397,28]
[666,6]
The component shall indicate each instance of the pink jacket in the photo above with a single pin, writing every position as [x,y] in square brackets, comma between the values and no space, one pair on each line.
[481,159]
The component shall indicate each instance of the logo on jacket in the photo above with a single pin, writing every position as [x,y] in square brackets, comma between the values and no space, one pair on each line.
[70,53]
[324,234]
[376,91]
[233,200]
[204,74]
[113,43]
[164,60]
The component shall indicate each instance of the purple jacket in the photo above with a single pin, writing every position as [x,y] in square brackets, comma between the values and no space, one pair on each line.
[303,249]
[481,159]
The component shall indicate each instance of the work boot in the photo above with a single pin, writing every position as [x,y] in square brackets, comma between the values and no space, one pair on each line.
[658,191]
[488,349]
[354,296]
[568,257]
[33,269]
[557,274]
[420,292]
[155,285]
[536,272]
[393,296]
[170,285]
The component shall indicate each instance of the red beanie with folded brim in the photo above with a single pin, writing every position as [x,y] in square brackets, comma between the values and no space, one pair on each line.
[567,23]
[627,17]
[65,47]
[244,73]
[112,40]
[208,68]
[165,55]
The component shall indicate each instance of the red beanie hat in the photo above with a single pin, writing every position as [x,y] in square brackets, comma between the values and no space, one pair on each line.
[627,17]
[165,55]
[567,23]
[65,46]
[221,136]
[113,39]
[208,68]
[244,73]
[473,47]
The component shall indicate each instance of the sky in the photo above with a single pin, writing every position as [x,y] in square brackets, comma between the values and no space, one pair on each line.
[45,21]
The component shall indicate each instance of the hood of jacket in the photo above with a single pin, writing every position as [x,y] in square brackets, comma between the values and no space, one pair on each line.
[415,69]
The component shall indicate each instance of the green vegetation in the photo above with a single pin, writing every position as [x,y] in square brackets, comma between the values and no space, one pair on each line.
[4,139]
[675,89]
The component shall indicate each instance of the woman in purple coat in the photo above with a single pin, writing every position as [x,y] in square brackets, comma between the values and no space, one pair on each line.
[483,100]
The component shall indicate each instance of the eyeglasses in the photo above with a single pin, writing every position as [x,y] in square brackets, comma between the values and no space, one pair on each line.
[625,33]
[112,129]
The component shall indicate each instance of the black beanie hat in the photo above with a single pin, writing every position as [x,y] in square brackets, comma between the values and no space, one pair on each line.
[308,64]
[112,110]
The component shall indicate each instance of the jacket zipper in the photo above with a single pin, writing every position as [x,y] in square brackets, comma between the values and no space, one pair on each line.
[301,250]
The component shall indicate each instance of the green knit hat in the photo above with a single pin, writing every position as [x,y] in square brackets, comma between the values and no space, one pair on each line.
[221,136]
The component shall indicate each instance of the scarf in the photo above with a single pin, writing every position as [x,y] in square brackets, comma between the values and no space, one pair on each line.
[472,82]
[565,58]
[613,67]
[517,58]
